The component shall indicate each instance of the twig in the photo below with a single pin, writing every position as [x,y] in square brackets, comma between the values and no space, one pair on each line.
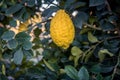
[108,6]
[98,43]
[92,26]
[55,4]
[114,71]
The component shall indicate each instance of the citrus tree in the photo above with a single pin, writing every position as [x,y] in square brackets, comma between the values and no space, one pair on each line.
[62,40]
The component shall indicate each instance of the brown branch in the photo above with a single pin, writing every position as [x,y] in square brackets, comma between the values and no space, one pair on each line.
[108,6]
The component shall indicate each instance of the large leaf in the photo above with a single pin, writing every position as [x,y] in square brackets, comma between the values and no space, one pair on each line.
[71,72]
[22,37]
[92,38]
[48,12]
[13,9]
[79,19]
[12,44]
[2,30]
[18,57]
[8,35]
[83,74]
[13,23]
[96,68]
[96,2]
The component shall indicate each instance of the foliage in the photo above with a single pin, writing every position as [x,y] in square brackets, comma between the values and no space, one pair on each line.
[31,55]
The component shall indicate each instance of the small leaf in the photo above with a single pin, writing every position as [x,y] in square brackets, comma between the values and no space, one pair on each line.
[3,69]
[99,77]
[76,58]
[85,30]
[27,45]
[92,19]
[83,74]
[101,54]
[92,38]
[71,72]
[76,51]
[28,54]
[88,56]
[18,57]
[8,35]
[13,9]
[37,32]
[12,44]
[3,77]
[77,5]
[96,2]
[48,65]
[1,2]
[31,3]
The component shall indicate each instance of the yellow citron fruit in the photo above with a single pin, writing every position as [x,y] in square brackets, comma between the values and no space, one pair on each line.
[62,29]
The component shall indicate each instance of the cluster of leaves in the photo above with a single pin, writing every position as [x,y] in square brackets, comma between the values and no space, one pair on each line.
[93,55]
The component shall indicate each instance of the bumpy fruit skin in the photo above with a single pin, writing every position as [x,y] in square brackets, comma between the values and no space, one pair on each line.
[62,29]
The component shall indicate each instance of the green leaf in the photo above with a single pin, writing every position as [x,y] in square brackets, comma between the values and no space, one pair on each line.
[77,5]
[88,56]
[2,30]
[96,2]
[85,30]
[92,38]
[37,32]
[12,44]
[31,3]
[99,77]
[76,51]
[13,23]
[27,45]
[18,57]
[92,19]
[79,19]
[13,9]
[22,37]
[71,72]
[96,69]
[3,69]
[3,77]
[83,74]
[48,65]
[1,2]
[28,54]
[8,35]
[76,59]
[101,54]
[68,3]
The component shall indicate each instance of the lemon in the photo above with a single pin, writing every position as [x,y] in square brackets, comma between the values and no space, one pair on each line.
[62,29]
